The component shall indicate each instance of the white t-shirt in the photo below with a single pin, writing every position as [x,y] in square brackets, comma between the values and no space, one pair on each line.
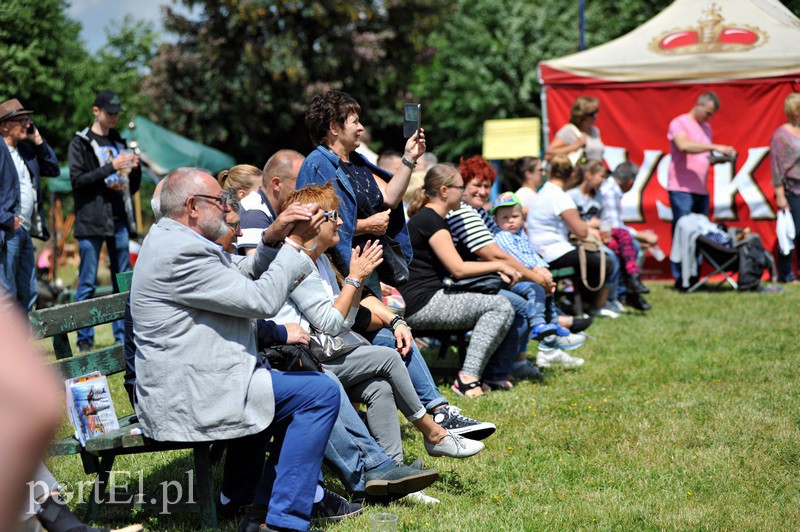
[547,230]
[26,191]
[526,196]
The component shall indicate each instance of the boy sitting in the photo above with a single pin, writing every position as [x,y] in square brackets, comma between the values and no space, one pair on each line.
[507,212]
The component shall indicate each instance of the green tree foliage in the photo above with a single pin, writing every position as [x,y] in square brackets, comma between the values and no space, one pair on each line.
[44,64]
[239,78]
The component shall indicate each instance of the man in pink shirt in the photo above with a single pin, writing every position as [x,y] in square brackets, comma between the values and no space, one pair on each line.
[689,145]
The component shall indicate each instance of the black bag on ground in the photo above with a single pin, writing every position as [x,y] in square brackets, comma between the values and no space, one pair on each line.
[292,358]
[753,260]
[489,283]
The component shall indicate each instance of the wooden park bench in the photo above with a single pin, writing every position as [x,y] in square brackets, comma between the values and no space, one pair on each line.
[100,452]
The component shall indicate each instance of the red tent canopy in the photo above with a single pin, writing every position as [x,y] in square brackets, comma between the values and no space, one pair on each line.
[744,50]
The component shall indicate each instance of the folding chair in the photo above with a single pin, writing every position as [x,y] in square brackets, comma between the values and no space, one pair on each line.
[725,260]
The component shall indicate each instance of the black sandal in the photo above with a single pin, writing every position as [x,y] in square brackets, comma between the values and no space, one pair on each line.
[462,388]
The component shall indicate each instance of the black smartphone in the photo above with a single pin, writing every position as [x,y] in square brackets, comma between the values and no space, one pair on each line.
[31,128]
[412,119]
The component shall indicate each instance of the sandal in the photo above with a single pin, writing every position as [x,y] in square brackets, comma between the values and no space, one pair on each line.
[461,388]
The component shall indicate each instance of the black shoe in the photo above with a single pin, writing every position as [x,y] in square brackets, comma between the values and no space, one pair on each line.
[333,508]
[449,417]
[581,324]
[635,285]
[54,516]
[638,302]
[84,346]
[398,479]
[254,517]
[230,511]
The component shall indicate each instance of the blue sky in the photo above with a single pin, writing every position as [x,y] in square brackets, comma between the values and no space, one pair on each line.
[96,15]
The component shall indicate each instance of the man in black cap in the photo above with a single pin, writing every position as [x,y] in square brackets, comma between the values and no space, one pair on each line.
[104,177]
[21,206]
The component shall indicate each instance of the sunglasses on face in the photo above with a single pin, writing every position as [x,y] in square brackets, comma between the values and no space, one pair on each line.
[331,215]
[234,225]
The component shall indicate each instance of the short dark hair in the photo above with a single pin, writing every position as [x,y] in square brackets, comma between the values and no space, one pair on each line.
[625,172]
[331,106]
[709,96]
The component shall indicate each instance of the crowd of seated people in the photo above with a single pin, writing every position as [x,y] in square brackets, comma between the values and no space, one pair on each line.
[292,257]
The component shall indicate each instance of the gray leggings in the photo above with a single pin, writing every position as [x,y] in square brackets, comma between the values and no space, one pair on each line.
[489,317]
[378,377]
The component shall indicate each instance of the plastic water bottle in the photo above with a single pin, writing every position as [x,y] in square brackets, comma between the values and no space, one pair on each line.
[657,253]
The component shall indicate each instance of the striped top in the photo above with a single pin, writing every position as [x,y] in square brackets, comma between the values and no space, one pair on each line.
[470,230]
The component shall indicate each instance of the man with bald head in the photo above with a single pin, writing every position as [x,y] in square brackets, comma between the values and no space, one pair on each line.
[198,375]
[261,207]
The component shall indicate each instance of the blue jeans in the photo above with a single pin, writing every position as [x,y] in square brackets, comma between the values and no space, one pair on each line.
[541,308]
[90,256]
[785,268]
[351,450]
[418,370]
[17,268]
[516,341]
[306,406]
[616,289]
[684,203]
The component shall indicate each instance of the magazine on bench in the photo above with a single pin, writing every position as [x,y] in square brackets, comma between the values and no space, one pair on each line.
[89,406]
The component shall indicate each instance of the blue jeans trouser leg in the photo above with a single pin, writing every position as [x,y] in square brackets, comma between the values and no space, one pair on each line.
[516,341]
[306,406]
[616,289]
[785,267]
[119,257]
[683,203]
[418,370]
[351,450]
[17,268]
[535,296]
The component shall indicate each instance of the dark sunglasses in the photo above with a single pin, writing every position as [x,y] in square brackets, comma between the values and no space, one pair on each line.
[234,225]
[331,215]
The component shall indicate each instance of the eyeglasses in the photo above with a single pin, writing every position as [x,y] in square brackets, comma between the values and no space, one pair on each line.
[331,215]
[234,225]
[221,201]
[462,188]
[21,120]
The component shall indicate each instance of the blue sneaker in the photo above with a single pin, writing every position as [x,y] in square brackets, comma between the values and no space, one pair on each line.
[543,330]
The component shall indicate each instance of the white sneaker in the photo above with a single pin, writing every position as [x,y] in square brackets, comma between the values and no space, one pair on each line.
[551,357]
[567,343]
[420,497]
[616,306]
[606,312]
[454,446]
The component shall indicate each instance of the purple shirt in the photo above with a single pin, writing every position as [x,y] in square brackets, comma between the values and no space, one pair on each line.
[688,171]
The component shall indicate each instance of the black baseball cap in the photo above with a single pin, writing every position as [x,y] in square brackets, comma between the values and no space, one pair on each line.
[108,100]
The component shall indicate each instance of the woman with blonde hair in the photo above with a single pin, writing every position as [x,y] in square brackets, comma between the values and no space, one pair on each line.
[428,305]
[240,180]
[580,138]
[784,149]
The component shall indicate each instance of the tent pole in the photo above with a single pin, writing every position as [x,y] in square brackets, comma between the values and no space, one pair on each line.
[582,23]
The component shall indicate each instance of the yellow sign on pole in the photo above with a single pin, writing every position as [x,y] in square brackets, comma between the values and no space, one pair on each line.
[511,138]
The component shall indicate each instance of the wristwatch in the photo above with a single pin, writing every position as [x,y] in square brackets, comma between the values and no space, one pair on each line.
[277,244]
[352,282]
[408,163]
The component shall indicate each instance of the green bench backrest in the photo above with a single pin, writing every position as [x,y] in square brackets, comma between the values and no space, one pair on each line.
[57,321]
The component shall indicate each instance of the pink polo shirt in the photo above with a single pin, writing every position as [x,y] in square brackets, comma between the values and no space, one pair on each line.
[688,171]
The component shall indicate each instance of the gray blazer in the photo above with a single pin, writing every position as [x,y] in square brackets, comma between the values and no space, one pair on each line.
[197,377]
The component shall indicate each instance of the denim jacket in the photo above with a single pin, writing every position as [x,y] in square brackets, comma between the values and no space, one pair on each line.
[321,166]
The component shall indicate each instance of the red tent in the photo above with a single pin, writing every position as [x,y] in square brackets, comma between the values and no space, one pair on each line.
[746,51]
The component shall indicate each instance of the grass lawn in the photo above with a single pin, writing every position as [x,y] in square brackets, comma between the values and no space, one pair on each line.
[687,417]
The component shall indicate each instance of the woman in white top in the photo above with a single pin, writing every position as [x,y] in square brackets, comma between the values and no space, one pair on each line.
[580,137]
[319,302]
[552,218]
[525,173]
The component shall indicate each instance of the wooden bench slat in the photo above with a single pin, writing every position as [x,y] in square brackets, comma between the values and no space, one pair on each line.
[67,318]
[108,361]
[124,281]
[70,445]
[64,446]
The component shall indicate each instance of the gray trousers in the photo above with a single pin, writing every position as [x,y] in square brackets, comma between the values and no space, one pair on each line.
[378,377]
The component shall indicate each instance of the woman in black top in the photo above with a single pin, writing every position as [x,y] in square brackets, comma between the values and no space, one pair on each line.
[435,257]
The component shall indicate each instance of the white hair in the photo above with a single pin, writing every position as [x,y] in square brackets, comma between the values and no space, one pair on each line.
[181,184]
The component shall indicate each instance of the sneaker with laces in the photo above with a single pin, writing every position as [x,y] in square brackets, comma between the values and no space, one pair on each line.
[398,479]
[454,446]
[606,312]
[566,343]
[616,306]
[554,356]
[450,418]
[334,508]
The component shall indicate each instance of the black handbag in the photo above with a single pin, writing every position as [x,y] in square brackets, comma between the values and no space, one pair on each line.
[489,283]
[292,358]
